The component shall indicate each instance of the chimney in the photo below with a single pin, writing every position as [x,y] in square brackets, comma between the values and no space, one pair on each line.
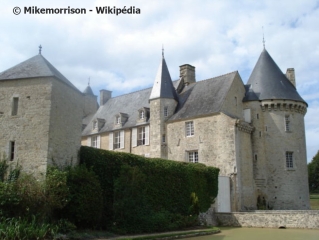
[188,73]
[105,95]
[290,74]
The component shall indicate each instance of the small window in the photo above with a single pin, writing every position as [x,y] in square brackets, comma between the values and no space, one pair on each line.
[95,125]
[15,105]
[142,114]
[287,123]
[260,134]
[289,160]
[117,140]
[141,136]
[256,157]
[189,127]
[257,116]
[193,157]
[12,150]
[266,128]
[235,101]
[163,138]
[165,111]
[118,119]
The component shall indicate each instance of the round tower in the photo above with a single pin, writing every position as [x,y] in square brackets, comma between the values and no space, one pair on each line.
[279,146]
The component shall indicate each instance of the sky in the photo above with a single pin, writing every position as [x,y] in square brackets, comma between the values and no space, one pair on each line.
[121,53]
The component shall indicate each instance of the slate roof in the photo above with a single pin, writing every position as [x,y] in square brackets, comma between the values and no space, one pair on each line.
[163,86]
[88,91]
[34,67]
[200,98]
[127,103]
[268,82]
[203,97]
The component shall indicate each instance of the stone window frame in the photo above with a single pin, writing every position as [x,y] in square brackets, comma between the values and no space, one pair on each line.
[189,129]
[192,156]
[289,157]
[15,106]
[287,123]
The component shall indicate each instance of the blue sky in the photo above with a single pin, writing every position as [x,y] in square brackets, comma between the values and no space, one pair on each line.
[121,53]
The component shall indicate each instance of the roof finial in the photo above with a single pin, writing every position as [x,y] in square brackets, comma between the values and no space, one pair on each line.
[89,82]
[40,48]
[163,50]
[263,38]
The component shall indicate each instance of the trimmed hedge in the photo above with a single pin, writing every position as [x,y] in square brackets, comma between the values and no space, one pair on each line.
[145,195]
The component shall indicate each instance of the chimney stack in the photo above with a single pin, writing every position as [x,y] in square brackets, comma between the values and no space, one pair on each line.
[105,95]
[187,72]
[290,74]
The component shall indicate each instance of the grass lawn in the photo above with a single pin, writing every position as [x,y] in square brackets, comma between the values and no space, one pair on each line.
[314,201]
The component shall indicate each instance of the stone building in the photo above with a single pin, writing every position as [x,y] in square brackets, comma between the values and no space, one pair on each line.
[253,132]
[40,116]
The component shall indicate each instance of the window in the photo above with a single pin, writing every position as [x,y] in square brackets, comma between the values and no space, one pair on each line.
[165,111]
[118,120]
[142,114]
[141,136]
[95,125]
[189,129]
[94,142]
[15,105]
[287,123]
[163,138]
[117,140]
[12,147]
[257,116]
[289,160]
[193,157]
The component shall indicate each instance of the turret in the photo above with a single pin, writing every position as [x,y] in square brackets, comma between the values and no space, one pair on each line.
[279,148]
[90,101]
[163,101]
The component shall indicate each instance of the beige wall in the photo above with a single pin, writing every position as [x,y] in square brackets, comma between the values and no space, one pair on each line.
[65,124]
[30,127]
[282,188]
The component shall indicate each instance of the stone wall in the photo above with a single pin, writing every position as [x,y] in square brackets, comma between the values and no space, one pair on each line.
[65,124]
[271,219]
[29,128]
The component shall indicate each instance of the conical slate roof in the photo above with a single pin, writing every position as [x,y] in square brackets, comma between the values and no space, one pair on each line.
[34,67]
[268,82]
[88,91]
[163,86]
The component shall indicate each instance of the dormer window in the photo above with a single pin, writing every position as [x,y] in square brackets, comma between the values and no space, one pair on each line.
[118,120]
[95,125]
[142,114]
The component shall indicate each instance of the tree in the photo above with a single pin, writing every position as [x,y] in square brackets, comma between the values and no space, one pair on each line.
[313,173]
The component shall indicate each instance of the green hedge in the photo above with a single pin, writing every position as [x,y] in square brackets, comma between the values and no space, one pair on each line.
[144,195]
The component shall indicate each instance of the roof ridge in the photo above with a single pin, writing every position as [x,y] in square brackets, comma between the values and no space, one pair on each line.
[218,76]
[132,92]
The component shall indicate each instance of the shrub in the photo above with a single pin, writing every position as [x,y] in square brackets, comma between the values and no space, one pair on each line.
[85,205]
[144,195]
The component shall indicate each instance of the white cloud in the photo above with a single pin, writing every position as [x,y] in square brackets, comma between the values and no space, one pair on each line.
[122,53]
